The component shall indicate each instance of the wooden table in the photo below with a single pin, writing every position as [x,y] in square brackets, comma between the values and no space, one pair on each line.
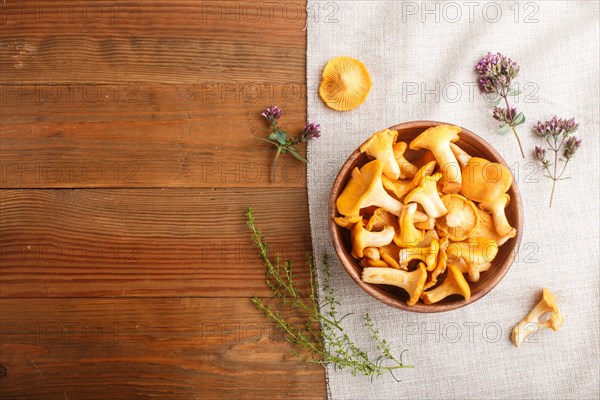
[127,162]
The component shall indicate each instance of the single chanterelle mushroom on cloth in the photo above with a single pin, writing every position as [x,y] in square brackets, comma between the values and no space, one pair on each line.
[484,180]
[412,282]
[379,146]
[454,283]
[437,140]
[362,238]
[462,217]
[531,323]
[345,84]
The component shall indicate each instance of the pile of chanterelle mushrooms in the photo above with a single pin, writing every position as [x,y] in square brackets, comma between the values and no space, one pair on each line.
[420,226]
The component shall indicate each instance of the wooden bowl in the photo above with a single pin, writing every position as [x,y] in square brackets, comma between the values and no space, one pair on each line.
[396,297]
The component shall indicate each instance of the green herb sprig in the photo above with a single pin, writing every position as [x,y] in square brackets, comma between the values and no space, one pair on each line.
[329,344]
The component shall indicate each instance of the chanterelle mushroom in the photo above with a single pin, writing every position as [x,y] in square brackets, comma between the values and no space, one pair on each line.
[412,282]
[437,140]
[409,236]
[478,254]
[401,187]
[531,323]
[407,169]
[427,225]
[379,146]
[441,264]
[365,189]
[362,238]
[390,254]
[367,262]
[461,156]
[486,229]
[428,238]
[426,254]
[372,253]
[380,219]
[462,217]
[496,208]
[454,283]
[484,180]
[426,194]
[347,221]
[346,83]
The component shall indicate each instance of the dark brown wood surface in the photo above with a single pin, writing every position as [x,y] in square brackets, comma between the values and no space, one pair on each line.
[127,159]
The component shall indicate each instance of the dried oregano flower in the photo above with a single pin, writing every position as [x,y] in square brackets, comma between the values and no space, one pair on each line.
[496,74]
[557,133]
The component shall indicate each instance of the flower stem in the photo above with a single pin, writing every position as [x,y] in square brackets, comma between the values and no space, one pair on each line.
[557,178]
[552,192]
[274,166]
[504,96]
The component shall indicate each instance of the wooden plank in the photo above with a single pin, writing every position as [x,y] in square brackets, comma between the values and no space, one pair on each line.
[144,135]
[215,102]
[147,41]
[185,348]
[142,242]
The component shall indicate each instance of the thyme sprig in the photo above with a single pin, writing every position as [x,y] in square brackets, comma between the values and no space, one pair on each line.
[321,339]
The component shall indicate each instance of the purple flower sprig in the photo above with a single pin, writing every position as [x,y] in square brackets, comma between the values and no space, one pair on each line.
[496,73]
[557,132]
[285,142]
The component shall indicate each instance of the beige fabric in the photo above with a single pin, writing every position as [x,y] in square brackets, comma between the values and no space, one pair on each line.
[423,69]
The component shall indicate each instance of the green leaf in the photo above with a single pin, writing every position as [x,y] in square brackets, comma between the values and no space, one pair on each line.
[519,119]
[295,154]
[504,128]
[280,137]
[514,93]
[498,100]
[272,136]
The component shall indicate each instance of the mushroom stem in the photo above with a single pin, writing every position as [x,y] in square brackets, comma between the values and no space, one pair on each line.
[447,161]
[345,80]
[453,219]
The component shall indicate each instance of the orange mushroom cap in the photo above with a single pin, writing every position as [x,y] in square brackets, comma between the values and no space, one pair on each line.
[346,83]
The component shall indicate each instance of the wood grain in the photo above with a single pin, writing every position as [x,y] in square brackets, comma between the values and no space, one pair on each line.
[152,41]
[166,136]
[184,348]
[180,242]
[127,159]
